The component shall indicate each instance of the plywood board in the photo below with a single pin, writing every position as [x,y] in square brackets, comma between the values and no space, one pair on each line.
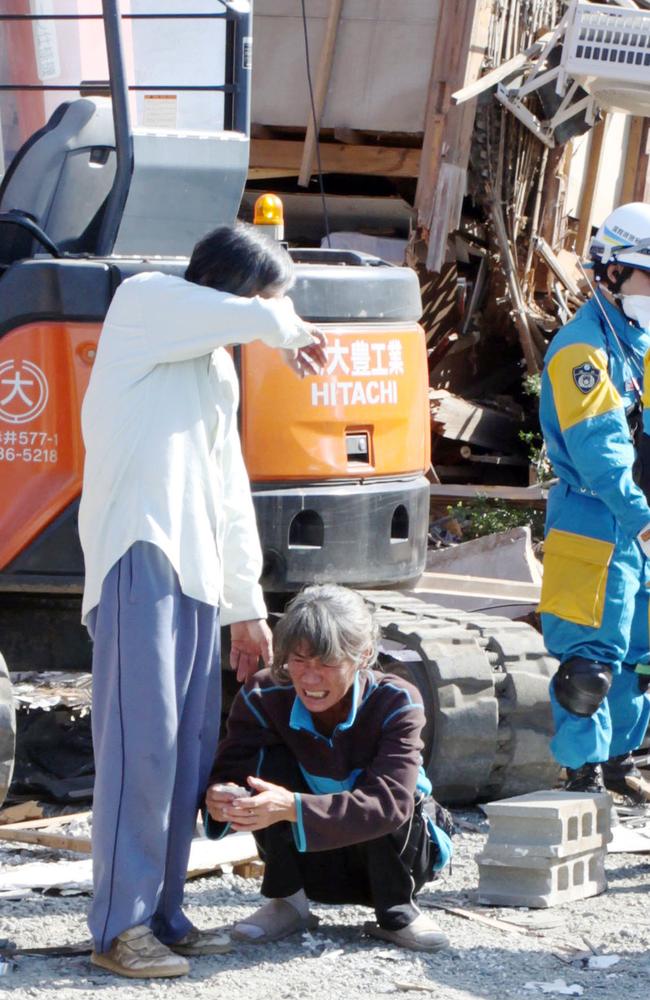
[380,69]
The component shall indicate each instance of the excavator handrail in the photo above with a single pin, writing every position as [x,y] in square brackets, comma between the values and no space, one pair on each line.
[237,88]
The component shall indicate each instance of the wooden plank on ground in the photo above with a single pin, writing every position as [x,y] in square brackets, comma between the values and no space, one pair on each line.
[527,496]
[58,841]
[47,822]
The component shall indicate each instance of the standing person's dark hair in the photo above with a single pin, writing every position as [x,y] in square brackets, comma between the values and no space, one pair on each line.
[241,260]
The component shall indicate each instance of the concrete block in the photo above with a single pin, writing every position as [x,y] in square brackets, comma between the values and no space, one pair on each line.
[541,882]
[505,555]
[547,824]
[544,848]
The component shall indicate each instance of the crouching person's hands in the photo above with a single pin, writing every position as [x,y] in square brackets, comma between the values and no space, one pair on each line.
[272,804]
[218,797]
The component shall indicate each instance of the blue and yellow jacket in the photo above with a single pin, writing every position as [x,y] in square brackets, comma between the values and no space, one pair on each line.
[588,387]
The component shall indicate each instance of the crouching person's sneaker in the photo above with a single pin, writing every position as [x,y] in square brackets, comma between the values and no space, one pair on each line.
[196,942]
[137,954]
[422,934]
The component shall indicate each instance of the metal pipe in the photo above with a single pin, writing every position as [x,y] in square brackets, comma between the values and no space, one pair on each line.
[125,17]
[122,125]
[225,88]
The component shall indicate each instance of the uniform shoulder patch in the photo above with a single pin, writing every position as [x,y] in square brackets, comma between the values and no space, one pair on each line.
[586,376]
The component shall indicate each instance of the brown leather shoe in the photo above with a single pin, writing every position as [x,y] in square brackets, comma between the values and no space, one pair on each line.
[137,954]
[197,942]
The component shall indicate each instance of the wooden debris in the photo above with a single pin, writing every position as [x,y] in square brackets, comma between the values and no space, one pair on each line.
[594,163]
[460,419]
[206,856]
[320,92]
[50,951]
[566,951]
[278,158]
[554,263]
[527,496]
[58,841]
[37,831]
[405,986]
[20,813]
[249,869]
[508,68]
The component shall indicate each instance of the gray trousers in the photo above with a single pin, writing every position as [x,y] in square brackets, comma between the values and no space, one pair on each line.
[155,722]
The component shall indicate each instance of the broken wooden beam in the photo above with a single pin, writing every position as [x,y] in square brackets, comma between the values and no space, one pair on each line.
[458,419]
[527,496]
[282,158]
[321,87]
[59,841]
[554,264]
[508,68]
[42,832]
[237,849]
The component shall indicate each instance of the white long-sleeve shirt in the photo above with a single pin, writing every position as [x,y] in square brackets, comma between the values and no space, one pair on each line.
[163,457]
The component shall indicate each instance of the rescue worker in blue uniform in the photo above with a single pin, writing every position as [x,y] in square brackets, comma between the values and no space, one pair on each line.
[595,603]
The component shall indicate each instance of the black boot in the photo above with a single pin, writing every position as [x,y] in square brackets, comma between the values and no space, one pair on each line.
[622,776]
[588,778]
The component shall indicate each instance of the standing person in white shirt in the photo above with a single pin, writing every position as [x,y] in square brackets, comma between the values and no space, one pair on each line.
[171,550]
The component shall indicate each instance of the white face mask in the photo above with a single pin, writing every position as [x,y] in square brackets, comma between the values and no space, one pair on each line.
[637,307]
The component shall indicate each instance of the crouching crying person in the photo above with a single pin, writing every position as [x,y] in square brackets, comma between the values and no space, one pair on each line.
[331,752]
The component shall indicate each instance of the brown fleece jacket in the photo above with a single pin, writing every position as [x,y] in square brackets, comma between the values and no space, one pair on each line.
[363,777]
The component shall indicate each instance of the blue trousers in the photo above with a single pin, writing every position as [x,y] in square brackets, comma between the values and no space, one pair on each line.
[155,721]
[618,635]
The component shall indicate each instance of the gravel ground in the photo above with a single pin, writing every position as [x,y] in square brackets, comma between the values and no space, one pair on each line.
[338,963]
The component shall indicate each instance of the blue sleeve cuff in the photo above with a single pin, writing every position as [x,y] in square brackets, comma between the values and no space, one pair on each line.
[214,830]
[297,828]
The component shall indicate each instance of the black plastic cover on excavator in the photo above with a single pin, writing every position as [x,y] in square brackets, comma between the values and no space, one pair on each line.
[7,730]
[484,686]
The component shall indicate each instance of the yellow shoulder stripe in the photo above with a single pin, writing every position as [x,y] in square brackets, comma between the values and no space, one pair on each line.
[581,384]
[646,383]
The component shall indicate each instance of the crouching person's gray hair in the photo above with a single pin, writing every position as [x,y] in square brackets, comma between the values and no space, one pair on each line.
[332,623]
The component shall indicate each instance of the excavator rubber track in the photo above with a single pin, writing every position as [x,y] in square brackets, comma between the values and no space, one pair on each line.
[7,730]
[484,684]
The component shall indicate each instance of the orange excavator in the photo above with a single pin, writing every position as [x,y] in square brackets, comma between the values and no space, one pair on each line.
[337,461]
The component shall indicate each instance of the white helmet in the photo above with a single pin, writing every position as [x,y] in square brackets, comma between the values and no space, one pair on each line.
[624,237]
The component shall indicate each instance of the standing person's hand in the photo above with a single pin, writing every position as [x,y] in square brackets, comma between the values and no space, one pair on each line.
[311,359]
[249,642]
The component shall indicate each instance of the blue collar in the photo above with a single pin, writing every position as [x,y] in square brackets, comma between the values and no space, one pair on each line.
[301,718]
